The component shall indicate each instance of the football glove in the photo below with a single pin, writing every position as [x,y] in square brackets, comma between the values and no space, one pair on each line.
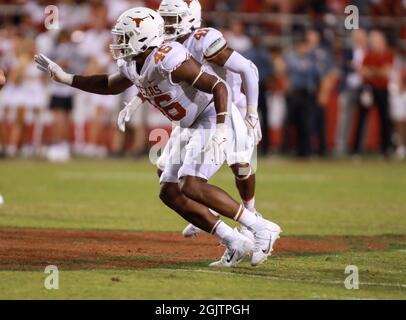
[253,124]
[129,109]
[53,69]
[217,144]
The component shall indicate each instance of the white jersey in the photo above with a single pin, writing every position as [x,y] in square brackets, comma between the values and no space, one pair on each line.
[206,43]
[180,103]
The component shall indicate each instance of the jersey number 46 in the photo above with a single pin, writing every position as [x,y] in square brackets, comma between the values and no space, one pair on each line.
[173,111]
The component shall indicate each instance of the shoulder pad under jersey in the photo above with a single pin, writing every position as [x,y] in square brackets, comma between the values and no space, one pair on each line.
[171,55]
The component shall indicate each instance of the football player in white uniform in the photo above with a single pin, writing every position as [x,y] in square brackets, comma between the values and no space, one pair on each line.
[208,46]
[170,79]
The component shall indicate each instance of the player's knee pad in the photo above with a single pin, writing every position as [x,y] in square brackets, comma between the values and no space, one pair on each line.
[242,171]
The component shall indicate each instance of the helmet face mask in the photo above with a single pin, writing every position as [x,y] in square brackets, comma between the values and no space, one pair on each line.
[181,17]
[136,30]
[121,48]
[173,27]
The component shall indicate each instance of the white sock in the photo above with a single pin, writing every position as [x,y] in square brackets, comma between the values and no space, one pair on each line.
[223,232]
[246,217]
[250,204]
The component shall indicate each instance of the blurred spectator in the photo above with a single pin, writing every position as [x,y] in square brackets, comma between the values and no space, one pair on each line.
[262,59]
[277,91]
[251,5]
[2,142]
[23,97]
[237,38]
[398,105]
[117,7]
[61,99]
[389,8]
[303,74]
[326,75]
[95,49]
[73,14]
[227,5]
[375,70]
[350,87]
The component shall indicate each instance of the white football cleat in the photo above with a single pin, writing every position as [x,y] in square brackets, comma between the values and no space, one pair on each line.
[191,231]
[266,233]
[236,251]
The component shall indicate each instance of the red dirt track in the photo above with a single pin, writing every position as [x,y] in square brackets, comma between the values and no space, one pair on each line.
[26,249]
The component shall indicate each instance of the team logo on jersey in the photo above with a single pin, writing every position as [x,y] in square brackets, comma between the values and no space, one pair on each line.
[188,2]
[138,21]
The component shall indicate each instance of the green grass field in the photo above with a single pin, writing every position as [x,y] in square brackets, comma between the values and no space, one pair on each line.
[361,205]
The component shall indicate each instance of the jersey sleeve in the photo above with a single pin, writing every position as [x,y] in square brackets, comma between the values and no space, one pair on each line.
[213,43]
[173,55]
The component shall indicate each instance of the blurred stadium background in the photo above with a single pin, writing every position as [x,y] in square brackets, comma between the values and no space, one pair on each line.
[317,78]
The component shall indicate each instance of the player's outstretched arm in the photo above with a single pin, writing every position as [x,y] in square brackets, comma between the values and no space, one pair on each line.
[102,84]
[235,62]
[99,84]
[193,73]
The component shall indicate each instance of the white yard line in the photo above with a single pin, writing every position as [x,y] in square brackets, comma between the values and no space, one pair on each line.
[264,277]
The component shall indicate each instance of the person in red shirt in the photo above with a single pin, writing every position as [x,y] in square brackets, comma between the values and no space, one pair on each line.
[375,71]
[252,6]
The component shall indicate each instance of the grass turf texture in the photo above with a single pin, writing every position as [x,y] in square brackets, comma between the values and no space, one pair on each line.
[309,200]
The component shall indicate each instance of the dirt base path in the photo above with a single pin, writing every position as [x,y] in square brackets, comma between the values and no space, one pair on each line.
[30,249]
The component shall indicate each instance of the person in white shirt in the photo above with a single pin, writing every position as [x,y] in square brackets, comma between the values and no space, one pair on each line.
[351,86]
[25,96]
[236,37]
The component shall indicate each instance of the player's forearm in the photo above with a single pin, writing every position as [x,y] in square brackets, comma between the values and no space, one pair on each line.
[102,84]
[222,100]
[249,75]
[98,84]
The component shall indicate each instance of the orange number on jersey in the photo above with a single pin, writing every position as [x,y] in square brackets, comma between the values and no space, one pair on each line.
[201,33]
[174,111]
[160,55]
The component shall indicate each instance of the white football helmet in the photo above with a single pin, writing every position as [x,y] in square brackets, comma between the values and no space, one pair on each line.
[188,15]
[136,30]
